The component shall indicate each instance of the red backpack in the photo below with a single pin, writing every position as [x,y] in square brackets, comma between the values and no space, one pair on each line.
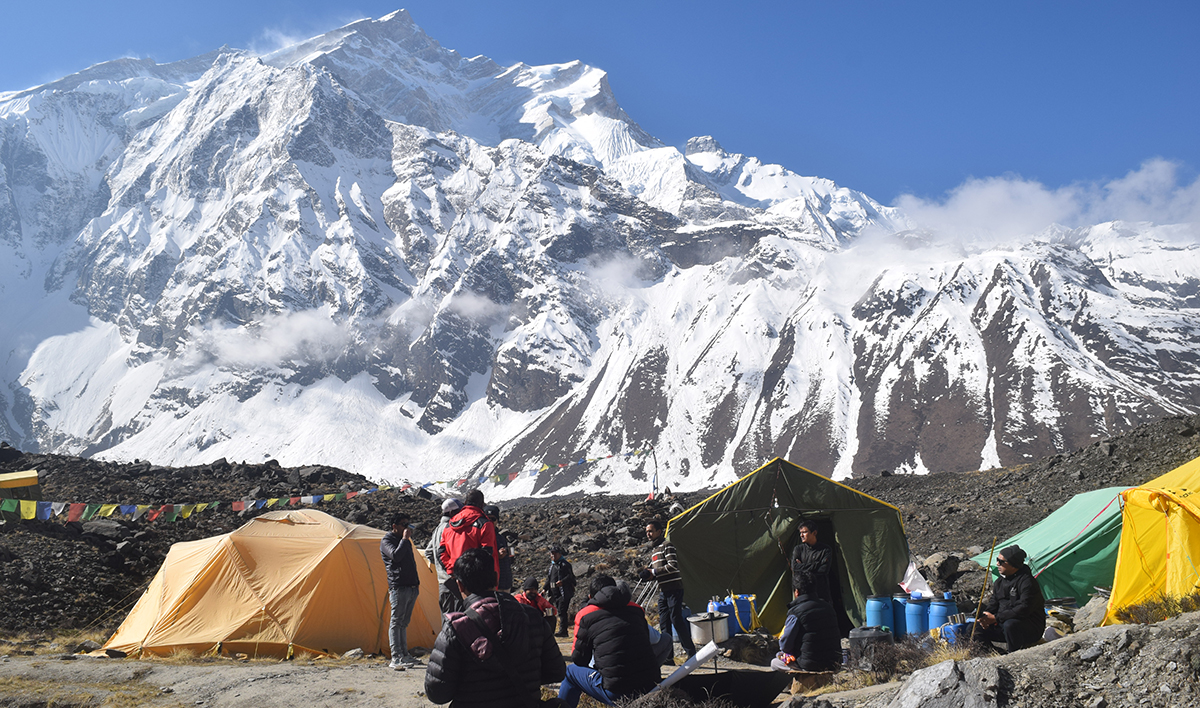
[468,529]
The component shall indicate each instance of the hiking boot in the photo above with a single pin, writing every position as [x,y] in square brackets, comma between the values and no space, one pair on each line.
[409,662]
[396,665]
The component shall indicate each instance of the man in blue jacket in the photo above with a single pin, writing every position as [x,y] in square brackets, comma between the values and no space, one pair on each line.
[404,585]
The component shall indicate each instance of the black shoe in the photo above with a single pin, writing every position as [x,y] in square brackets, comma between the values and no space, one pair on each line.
[561,634]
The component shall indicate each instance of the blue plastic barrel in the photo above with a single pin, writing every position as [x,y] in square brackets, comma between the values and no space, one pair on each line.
[879,611]
[899,606]
[916,616]
[741,619]
[940,611]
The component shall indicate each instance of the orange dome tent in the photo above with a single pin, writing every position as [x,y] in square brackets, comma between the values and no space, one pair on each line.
[284,582]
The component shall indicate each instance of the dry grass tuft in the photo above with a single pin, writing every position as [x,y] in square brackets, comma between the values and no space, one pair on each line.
[1157,609]
[88,695]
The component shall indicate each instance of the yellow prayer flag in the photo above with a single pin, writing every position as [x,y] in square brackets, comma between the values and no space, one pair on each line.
[28,509]
[187,510]
[201,507]
[328,497]
[106,510]
[272,502]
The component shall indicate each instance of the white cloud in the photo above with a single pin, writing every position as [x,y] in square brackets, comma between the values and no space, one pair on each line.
[1003,208]
[476,307]
[309,336]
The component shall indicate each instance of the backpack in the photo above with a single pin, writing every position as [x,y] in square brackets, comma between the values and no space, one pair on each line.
[465,531]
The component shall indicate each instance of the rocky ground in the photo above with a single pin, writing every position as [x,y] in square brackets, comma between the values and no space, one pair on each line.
[56,576]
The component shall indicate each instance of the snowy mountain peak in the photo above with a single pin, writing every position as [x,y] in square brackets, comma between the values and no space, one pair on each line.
[368,251]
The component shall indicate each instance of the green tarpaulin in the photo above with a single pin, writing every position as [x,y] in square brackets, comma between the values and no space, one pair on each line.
[740,540]
[1073,550]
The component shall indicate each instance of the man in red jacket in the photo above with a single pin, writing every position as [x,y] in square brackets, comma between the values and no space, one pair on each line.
[469,528]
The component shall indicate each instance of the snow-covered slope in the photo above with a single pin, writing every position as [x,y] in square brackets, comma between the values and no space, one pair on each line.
[367,251]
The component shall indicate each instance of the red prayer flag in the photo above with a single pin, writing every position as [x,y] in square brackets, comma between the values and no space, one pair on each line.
[239,506]
[76,512]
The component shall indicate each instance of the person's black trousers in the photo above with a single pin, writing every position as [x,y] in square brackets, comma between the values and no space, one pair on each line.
[670,614]
[1016,634]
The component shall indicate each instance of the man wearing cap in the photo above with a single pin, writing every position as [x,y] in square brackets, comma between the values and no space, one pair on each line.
[1016,612]
[447,600]
[560,585]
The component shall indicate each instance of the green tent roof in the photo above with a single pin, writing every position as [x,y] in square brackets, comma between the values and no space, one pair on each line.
[740,540]
[1073,550]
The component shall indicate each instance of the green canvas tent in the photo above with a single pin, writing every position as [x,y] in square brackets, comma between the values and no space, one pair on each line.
[741,538]
[1073,550]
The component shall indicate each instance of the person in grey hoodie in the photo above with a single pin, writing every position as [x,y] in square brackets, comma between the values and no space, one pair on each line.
[447,600]
[498,653]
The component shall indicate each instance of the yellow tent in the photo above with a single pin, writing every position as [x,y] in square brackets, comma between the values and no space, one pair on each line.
[1160,539]
[286,581]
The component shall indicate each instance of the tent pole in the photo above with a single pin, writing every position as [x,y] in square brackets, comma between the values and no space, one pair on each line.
[986,577]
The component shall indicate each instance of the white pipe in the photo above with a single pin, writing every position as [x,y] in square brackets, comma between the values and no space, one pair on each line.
[705,653]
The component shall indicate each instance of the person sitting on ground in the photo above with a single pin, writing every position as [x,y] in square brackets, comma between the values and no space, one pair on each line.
[662,644]
[498,653]
[810,640]
[615,634]
[1016,612]
[530,596]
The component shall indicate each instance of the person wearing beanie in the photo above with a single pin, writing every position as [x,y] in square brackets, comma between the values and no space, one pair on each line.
[529,595]
[1016,612]
[447,601]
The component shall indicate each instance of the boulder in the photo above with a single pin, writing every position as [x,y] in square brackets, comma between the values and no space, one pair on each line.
[1091,614]
[951,684]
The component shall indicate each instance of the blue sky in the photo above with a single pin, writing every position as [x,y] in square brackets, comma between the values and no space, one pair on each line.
[900,100]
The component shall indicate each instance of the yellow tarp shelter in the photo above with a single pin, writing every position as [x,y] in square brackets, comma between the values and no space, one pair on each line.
[285,582]
[1160,539]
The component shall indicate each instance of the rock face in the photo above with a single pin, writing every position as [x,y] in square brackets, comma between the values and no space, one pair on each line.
[951,684]
[367,251]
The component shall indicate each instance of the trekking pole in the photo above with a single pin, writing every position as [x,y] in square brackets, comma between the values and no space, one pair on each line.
[987,575]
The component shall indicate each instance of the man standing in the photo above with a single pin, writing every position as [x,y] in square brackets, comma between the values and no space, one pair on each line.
[403,587]
[810,639]
[502,549]
[614,633]
[447,599]
[560,584]
[469,528]
[664,568]
[496,654]
[1016,612]
[814,560]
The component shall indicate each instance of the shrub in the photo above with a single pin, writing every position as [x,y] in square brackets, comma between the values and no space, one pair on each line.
[1159,608]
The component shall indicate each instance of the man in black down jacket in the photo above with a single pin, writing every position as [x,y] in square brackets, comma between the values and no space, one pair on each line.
[1016,612]
[810,640]
[616,634]
[501,664]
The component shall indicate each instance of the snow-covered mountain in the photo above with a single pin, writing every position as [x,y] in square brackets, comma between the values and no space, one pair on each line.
[366,250]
